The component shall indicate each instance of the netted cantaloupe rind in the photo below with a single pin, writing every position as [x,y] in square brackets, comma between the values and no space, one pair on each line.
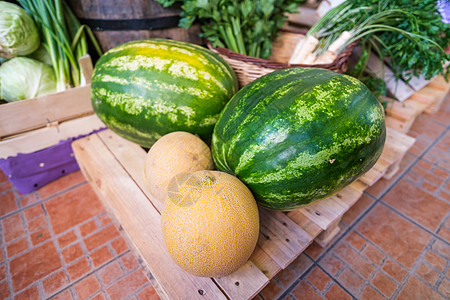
[175,153]
[211,223]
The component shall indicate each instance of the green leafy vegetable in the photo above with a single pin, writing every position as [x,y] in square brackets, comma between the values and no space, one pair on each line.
[247,27]
[24,78]
[18,33]
[41,55]
[410,34]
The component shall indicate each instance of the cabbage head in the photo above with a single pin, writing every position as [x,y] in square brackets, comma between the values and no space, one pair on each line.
[24,78]
[42,55]
[18,33]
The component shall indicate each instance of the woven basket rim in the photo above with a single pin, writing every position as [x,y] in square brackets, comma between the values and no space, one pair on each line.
[341,59]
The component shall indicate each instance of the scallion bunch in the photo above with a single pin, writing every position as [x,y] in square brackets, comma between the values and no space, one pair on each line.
[63,37]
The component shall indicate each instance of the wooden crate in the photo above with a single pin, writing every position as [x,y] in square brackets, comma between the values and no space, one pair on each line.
[114,168]
[34,124]
[35,134]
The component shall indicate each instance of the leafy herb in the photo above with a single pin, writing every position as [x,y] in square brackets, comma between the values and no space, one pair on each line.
[247,27]
[410,34]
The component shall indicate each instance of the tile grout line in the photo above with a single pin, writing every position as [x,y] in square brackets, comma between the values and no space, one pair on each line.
[39,200]
[378,199]
[437,140]
[7,259]
[94,270]
[71,285]
[377,268]
[54,239]
[290,288]
[412,272]
[352,226]
[415,223]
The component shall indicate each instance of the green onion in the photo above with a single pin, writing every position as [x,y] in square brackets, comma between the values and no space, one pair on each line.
[63,37]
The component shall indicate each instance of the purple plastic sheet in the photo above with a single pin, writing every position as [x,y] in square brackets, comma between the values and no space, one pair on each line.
[29,172]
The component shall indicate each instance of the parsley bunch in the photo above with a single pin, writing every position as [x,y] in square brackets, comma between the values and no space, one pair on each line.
[247,27]
[409,34]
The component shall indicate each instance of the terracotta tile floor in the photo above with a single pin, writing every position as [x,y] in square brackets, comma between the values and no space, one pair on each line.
[59,243]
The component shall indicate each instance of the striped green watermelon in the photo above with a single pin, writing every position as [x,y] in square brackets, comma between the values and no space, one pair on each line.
[298,135]
[145,89]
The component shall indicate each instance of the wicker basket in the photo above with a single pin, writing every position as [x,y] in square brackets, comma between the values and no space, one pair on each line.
[249,68]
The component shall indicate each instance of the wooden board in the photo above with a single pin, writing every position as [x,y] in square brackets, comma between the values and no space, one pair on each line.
[27,115]
[401,115]
[113,166]
[48,136]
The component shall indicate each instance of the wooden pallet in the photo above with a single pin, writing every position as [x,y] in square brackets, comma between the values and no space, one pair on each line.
[401,115]
[114,168]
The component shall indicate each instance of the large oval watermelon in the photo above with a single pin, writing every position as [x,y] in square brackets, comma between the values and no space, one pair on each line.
[298,135]
[145,89]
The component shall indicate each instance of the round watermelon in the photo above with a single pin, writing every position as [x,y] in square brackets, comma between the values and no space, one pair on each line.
[145,89]
[298,135]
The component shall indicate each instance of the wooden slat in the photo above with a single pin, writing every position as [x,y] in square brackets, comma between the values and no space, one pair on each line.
[399,145]
[401,126]
[325,237]
[281,253]
[132,158]
[402,111]
[281,238]
[49,136]
[87,68]
[427,96]
[245,283]
[351,193]
[325,211]
[439,83]
[375,173]
[124,200]
[307,224]
[264,262]
[26,115]
[295,237]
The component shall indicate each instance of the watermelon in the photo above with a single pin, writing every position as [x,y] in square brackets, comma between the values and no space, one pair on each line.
[145,89]
[298,135]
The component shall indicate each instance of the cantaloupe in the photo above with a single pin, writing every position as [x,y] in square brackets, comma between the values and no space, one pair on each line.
[210,223]
[174,153]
